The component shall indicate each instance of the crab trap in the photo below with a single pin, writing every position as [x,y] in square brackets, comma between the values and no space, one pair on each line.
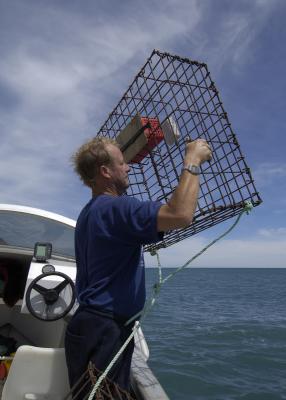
[173,100]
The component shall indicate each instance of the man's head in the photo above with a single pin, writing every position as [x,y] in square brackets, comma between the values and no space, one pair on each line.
[101,166]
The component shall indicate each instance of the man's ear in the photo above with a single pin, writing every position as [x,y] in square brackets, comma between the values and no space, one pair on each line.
[104,171]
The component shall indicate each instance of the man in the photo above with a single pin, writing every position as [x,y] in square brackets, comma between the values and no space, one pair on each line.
[109,235]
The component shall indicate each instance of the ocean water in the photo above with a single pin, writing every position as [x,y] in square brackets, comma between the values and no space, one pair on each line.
[219,334]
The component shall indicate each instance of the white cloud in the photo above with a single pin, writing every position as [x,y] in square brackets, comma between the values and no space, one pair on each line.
[233,42]
[60,78]
[38,78]
[63,67]
[273,233]
[240,253]
[269,173]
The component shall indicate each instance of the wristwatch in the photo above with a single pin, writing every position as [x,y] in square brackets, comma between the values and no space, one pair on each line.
[193,169]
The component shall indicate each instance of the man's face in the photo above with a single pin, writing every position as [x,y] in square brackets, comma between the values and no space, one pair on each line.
[118,169]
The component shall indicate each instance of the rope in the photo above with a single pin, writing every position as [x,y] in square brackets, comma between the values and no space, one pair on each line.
[156,291]
[113,361]
[247,208]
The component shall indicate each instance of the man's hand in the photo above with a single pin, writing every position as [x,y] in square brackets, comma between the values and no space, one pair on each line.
[197,152]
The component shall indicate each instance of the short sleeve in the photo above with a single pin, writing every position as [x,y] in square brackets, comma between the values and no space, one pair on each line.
[130,221]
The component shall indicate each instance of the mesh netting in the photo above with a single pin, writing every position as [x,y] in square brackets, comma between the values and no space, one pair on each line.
[176,93]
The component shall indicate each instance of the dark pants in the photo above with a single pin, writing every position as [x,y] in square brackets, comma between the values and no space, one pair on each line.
[97,338]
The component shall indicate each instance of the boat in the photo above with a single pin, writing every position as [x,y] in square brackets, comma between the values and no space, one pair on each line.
[37,299]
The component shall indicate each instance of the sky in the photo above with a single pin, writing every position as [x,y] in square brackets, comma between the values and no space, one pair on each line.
[65,64]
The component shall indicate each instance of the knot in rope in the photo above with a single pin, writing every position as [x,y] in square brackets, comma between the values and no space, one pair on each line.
[248,206]
[157,288]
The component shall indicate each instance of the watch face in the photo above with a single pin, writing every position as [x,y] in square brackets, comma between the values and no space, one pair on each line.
[194,169]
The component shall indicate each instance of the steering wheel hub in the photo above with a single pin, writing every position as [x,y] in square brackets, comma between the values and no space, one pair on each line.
[51,296]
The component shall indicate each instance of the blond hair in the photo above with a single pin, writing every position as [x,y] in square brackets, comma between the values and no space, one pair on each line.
[90,156]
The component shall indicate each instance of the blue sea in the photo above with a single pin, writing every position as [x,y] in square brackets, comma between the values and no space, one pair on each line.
[219,334]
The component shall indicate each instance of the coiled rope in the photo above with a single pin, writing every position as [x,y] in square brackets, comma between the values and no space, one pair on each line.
[156,291]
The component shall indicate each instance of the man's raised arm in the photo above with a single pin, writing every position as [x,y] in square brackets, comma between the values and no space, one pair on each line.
[180,209]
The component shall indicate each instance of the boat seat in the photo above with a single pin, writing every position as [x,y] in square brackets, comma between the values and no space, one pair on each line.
[37,373]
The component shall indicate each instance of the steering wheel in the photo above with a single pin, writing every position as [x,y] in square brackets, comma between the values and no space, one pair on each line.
[52,303]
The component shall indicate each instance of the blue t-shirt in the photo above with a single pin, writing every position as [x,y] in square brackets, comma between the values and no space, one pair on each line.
[109,235]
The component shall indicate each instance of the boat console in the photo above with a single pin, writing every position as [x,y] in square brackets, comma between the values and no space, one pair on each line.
[37,271]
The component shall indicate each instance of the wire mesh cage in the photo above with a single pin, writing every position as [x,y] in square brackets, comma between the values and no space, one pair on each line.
[173,100]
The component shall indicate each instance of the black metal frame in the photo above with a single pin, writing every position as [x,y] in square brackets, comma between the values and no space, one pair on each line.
[171,86]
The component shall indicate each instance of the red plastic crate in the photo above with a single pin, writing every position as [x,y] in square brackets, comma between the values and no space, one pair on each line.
[154,136]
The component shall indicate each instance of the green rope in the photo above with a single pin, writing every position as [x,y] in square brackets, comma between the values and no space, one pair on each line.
[156,291]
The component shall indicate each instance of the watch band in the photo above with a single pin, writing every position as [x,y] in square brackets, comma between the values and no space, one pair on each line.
[192,169]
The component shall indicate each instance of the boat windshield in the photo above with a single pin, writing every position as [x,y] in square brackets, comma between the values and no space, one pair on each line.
[24,230]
